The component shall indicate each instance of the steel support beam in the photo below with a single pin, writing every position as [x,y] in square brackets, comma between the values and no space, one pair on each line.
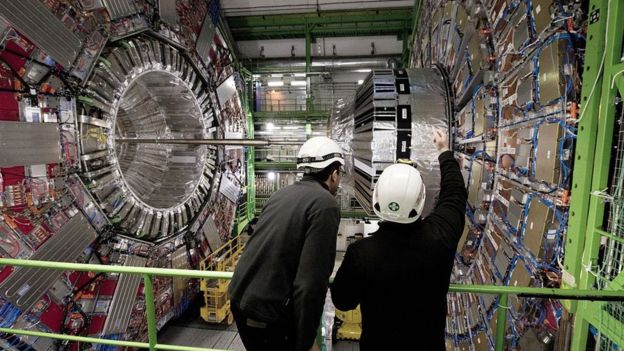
[236,142]
[604,52]
[585,147]
[324,24]
[322,18]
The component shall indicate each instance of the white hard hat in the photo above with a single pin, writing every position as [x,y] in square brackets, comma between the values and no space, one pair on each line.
[317,153]
[399,194]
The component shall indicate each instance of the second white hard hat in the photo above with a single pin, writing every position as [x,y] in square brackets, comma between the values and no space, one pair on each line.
[399,194]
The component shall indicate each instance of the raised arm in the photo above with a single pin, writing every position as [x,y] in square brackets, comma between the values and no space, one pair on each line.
[449,213]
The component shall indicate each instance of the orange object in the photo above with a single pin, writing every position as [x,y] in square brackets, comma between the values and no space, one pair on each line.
[574,111]
[10,222]
[565,197]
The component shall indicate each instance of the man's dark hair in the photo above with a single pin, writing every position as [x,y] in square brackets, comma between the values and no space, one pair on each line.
[324,174]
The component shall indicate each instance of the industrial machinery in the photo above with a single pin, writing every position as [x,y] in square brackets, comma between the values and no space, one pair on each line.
[515,68]
[82,83]
[395,112]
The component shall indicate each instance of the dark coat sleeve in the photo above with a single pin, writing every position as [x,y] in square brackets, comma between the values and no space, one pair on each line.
[315,267]
[448,217]
[345,289]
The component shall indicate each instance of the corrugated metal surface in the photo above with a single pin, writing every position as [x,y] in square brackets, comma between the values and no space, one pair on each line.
[25,144]
[119,8]
[25,286]
[39,25]
[168,13]
[123,301]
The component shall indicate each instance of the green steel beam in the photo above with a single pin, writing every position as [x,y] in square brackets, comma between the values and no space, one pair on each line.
[322,18]
[251,151]
[147,272]
[308,51]
[275,166]
[84,339]
[97,268]
[604,322]
[585,147]
[561,294]
[152,330]
[323,24]
[501,322]
[365,29]
[408,42]
[608,30]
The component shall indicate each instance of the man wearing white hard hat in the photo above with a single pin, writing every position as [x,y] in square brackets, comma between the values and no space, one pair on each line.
[400,275]
[280,282]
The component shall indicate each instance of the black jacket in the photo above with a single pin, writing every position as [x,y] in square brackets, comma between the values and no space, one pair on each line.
[283,273]
[400,275]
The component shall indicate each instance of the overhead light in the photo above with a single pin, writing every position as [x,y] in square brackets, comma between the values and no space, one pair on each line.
[277,75]
[299,74]
[270,126]
[364,70]
[361,81]
[276,84]
[298,83]
[271,175]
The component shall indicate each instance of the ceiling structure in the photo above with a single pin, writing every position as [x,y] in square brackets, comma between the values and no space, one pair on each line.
[285,29]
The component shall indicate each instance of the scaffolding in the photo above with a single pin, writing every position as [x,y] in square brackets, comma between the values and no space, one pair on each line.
[216,308]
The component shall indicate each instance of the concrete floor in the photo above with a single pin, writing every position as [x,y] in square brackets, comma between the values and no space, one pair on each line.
[191,330]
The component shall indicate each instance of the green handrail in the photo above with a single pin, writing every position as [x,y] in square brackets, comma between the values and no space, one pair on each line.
[149,272]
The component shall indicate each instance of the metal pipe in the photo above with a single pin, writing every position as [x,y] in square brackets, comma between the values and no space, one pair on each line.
[237,142]
[562,294]
[320,64]
[152,331]
[501,322]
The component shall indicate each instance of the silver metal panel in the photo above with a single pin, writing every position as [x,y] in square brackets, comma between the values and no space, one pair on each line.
[212,234]
[33,19]
[167,11]
[547,154]
[204,41]
[475,183]
[25,144]
[538,218]
[25,286]
[541,14]
[525,91]
[550,82]
[119,8]
[514,214]
[479,116]
[124,298]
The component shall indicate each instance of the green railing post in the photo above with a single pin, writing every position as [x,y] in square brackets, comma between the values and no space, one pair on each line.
[617,294]
[501,322]
[152,332]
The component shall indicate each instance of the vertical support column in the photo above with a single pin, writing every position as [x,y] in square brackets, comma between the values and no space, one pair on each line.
[308,48]
[600,120]
[501,322]
[151,312]
[585,148]
[251,151]
[308,67]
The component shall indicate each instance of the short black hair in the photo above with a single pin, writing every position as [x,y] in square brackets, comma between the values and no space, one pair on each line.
[324,174]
